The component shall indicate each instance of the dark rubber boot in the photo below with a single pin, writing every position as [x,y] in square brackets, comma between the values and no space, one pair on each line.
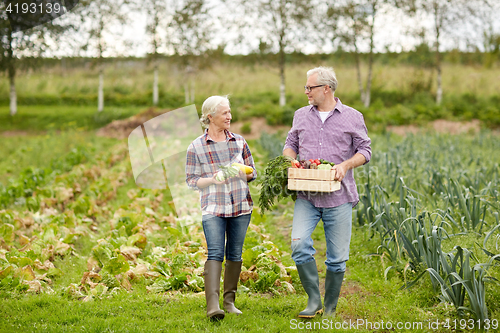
[308,274]
[231,278]
[211,275]
[333,283]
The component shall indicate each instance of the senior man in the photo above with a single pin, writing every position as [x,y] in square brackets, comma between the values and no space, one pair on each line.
[330,130]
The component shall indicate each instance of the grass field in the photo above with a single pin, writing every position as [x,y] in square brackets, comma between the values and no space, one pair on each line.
[82,248]
[401,95]
[248,80]
[89,199]
[33,119]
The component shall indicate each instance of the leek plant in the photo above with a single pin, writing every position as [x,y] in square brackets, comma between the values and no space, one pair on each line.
[428,195]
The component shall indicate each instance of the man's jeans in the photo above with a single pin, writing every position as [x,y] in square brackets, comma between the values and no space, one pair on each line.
[217,228]
[337,223]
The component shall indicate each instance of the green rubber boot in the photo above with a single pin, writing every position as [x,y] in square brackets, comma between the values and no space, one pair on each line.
[211,275]
[333,283]
[231,278]
[308,274]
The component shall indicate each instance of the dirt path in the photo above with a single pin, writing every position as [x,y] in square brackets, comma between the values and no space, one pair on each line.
[439,126]
[257,126]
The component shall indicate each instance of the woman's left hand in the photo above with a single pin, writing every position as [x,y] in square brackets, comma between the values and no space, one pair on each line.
[244,176]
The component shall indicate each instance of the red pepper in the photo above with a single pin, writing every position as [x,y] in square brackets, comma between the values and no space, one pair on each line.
[317,162]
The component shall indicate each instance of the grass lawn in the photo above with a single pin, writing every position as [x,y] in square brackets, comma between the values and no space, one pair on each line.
[40,150]
[37,118]
[366,300]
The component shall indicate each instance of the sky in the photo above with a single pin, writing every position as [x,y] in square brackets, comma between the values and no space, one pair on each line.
[393,32]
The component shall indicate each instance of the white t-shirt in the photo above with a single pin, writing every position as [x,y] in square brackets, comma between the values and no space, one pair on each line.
[323,115]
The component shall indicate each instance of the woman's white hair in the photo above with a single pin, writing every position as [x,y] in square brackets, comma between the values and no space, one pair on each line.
[326,76]
[210,107]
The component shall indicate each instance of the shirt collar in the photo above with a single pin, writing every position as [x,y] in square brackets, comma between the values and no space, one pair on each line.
[339,106]
[229,136]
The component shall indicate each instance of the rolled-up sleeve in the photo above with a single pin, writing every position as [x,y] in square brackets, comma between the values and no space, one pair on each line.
[248,159]
[193,168]
[361,141]
[292,139]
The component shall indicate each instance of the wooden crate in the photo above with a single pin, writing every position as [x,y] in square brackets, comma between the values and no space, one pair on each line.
[312,180]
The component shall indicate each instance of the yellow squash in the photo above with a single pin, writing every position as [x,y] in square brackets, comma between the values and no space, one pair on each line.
[245,168]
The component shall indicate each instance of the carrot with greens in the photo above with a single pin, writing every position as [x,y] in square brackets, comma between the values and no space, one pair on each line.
[275,183]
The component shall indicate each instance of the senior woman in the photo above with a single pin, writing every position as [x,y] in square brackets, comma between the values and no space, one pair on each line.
[226,205]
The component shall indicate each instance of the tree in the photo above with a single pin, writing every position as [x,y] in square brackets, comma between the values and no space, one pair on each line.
[97,18]
[353,22]
[190,32]
[25,37]
[281,23]
[157,12]
[491,37]
[449,18]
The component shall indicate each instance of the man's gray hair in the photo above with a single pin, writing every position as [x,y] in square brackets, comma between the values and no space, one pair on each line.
[210,107]
[326,76]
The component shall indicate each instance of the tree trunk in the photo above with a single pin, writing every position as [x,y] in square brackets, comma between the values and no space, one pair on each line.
[192,89]
[11,68]
[100,93]
[13,95]
[282,82]
[367,97]
[282,71]
[358,73]
[438,22]
[439,92]
[282,91]
[186,92]
[155,86]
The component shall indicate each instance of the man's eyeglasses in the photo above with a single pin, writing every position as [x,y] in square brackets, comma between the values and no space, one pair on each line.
[308,89]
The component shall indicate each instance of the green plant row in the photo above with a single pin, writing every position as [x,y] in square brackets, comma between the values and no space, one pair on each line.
[169,100]
[427,196]
[51,217]
[387,108]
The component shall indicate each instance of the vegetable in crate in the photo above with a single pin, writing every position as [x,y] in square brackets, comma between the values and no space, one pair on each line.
[275,183]
[322,161]
[324,167]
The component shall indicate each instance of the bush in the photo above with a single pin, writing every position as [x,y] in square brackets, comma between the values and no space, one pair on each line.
[400,115]
[246,128]
[280,116]
[120,98]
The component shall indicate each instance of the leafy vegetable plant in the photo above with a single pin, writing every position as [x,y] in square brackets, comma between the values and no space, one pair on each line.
[275,183]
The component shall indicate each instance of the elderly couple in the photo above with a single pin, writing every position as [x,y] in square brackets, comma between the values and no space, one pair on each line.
[324,129]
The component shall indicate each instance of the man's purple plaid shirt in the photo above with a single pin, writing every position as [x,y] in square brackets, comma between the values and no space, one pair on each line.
[204,156]
[342,135]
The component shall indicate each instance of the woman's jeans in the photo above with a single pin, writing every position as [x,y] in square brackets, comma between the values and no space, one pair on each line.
[337,223]
[216,230]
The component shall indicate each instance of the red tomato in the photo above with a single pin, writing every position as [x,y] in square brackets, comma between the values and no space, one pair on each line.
[317,162]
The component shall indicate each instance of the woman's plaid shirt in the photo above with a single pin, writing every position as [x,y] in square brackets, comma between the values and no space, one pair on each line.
[204,156]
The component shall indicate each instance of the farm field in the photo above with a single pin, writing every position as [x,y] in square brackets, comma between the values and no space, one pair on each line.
[236,79]
[84,249]
[401,94]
